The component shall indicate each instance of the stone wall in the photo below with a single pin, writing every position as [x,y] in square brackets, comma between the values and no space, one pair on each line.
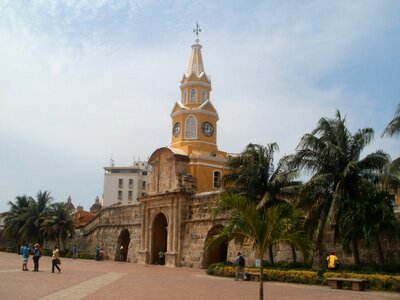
[105,230]
[190,223]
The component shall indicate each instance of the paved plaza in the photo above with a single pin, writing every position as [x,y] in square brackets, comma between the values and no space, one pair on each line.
[89,279]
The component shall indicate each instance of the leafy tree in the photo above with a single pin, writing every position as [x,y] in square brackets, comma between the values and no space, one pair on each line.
[15,218]
[331,155]
[35,215]
[263,227]
[368,219]
[393,128]
[254,175]
[59,223]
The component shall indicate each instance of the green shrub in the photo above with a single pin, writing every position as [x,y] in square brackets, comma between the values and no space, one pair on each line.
[381,282]
[294,276]
[47,252]
[393,269]
[86,255]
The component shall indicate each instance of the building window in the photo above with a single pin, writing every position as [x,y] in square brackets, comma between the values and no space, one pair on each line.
[131,183]
[119,195]
[144,173]
[130,196]
[193,95]
[203,96]
[184,100]
[143,184]
[217,179]
[120,183]
[190,128]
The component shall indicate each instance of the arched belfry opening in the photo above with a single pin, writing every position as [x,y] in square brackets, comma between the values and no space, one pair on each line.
[124,239]
[217,253]
[159,239]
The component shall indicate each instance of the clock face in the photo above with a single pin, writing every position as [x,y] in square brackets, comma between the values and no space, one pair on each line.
[207,129]
[177,129]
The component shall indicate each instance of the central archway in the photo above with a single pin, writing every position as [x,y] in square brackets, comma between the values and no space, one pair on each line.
[216,254]
[159,239]
[124,239]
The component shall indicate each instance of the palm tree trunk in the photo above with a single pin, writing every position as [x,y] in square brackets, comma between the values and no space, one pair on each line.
[356,253]
[294,254]
[261,277]
[271,255]
[380,252]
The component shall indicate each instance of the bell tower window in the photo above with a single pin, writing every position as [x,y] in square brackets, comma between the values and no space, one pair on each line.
[184,97]
[191,128]
[203,96]
[193,95]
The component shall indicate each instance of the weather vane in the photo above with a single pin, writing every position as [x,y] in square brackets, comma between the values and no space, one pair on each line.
[197,30]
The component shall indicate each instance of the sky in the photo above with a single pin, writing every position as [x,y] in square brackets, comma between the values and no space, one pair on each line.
[84,82]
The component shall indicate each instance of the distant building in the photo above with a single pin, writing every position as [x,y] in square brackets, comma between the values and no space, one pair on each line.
[124,185]
[96,207]
[81,217]
[69,204]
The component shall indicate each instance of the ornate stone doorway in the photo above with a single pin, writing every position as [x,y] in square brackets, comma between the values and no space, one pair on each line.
[159,239]
[216,254]
[123,240]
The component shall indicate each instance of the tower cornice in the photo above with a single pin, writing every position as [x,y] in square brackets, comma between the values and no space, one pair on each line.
[188,111]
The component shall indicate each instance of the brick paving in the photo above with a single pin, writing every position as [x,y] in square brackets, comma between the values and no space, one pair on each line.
[88,279]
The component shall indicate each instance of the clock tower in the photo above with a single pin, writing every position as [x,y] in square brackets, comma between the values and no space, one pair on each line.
[194,125]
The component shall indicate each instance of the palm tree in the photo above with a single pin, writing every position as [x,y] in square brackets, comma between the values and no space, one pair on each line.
[368,219]
[15,218]
[254,175]
[263,227]
[331,154]
[393,128]
[35,215]
[59,223]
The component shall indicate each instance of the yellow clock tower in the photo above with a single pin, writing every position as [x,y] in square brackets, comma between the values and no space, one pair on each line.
[194,125]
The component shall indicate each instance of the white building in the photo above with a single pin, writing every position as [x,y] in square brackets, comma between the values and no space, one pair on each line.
[124,185]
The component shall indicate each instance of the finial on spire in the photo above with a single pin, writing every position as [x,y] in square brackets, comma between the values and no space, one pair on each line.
[197,30]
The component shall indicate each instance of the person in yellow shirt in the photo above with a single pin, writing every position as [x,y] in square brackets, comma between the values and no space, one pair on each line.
[332,260]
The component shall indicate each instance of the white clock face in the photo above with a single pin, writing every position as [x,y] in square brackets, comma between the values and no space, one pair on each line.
[177,129]
[207,129]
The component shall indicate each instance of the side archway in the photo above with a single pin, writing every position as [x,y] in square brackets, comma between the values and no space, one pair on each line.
[159,239]
[121,253]
[216,254]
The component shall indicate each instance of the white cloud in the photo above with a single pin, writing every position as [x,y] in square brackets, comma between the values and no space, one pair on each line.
[88,90]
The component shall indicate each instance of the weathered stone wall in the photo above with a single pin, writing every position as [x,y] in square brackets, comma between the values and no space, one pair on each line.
[104,231]
[167,169]
[190,223]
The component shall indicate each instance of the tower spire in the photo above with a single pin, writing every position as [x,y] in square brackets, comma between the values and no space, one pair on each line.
[196,60]
[197,30]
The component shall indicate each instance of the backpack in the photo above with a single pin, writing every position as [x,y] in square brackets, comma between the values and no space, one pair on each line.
[241,261]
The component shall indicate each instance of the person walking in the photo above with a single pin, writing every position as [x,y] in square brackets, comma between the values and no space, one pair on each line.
[37,253]
[240,263]
[25,251]
[97,253]
[121,253]
[74,252]
[101,254]
[55,259]
[333,261]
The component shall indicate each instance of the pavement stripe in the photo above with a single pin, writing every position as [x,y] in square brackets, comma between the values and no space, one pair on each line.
[83,289]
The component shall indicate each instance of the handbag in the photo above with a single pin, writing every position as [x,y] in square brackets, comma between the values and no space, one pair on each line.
[58,261]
